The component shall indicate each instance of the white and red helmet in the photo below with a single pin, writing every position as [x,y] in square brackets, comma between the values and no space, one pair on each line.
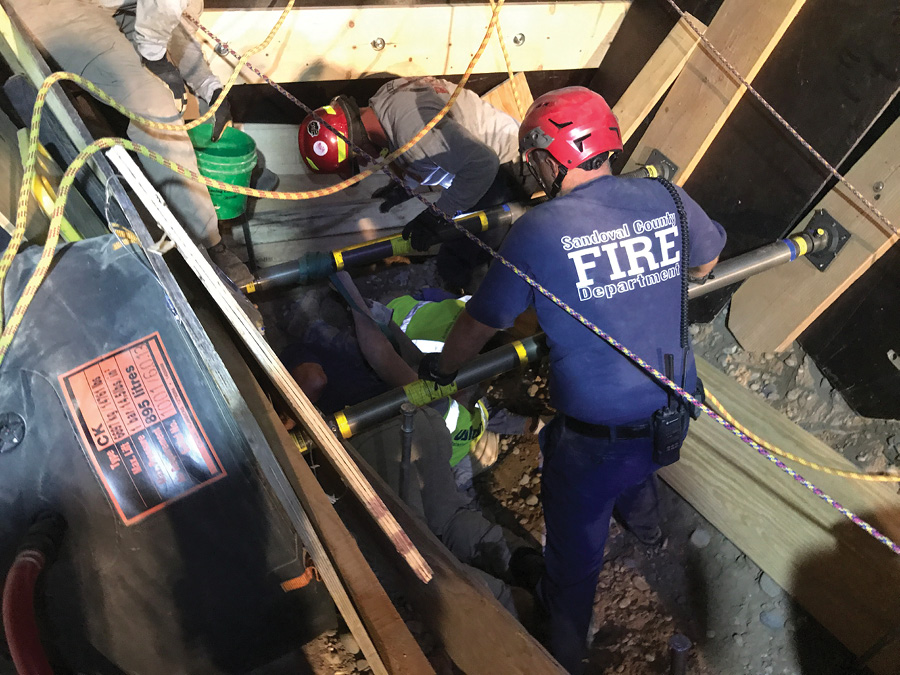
[325,151]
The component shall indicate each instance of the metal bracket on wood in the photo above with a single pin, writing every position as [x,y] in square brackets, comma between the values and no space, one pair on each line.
[666,165]
[838,236]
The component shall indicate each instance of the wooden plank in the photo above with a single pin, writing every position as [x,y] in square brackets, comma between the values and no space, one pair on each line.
[705,93]
[335,43]
[503,97]
[392,639]
[771,310]
[656,77]
[299,403]
[479,635]
[412,47]
[846,579]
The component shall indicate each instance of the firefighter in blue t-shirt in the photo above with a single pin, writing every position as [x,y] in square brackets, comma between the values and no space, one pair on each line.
[612,249]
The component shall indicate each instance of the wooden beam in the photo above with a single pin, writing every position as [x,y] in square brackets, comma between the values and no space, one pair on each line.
[705,94]
[769,311]
[846,579]
[299,403]
[335,43]
[503,97]
[392,640]
[656,77]
[479,635]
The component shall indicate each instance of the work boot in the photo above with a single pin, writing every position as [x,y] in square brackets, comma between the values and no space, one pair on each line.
[230,264]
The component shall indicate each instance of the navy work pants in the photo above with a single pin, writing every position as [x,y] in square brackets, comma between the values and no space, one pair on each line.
[583,480]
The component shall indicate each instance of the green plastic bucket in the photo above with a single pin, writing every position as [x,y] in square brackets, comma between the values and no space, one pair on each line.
[230,159]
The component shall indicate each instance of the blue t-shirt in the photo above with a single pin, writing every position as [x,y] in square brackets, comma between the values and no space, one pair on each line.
[611,249]
[350,378]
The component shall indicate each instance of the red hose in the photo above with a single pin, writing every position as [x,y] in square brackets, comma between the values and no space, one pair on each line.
[19,621]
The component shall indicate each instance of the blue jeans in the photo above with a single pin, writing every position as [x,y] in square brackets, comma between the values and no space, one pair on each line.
[583,480]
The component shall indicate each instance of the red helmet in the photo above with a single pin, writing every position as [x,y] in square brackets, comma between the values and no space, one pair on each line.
[573,124]
[322,149]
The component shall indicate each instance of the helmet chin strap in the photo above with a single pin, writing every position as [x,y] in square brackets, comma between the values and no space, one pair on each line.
[557,182]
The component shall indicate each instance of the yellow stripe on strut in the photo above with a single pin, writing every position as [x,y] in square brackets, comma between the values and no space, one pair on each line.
[520,350]
[343,426]
[802,248]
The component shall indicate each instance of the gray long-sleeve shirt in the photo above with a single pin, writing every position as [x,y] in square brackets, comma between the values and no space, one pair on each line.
[462,153]
[157,26]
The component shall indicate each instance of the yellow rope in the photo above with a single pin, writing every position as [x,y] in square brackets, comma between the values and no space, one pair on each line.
[512,78]
[855,475]
[46,258]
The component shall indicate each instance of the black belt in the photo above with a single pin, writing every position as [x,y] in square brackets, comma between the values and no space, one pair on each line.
[626,431]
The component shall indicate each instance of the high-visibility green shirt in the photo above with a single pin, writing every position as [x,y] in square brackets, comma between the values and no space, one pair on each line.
[427,324]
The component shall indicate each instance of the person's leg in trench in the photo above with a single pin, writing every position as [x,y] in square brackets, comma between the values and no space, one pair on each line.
[433,494]
[580,482]
[637,510]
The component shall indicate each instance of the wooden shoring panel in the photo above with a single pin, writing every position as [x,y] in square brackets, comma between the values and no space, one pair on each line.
[770,310]
[335,43]
[503,98]
[846,579]
[705,94]
[656,77]
[479,635]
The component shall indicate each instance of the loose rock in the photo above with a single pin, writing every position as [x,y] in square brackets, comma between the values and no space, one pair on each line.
[350,644]
[700,538]
[769,587]
[773,618]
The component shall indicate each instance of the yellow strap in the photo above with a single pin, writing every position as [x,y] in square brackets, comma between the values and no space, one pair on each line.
[482,216]
[338,260]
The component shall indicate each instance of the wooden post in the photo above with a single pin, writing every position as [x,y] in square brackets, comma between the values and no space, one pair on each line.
[705,94]
[656,77]
[769,311]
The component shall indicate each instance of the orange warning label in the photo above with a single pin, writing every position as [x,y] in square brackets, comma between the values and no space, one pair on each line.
[138,428]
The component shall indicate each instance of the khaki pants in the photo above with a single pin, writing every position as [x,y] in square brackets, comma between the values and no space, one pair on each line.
[88,40]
